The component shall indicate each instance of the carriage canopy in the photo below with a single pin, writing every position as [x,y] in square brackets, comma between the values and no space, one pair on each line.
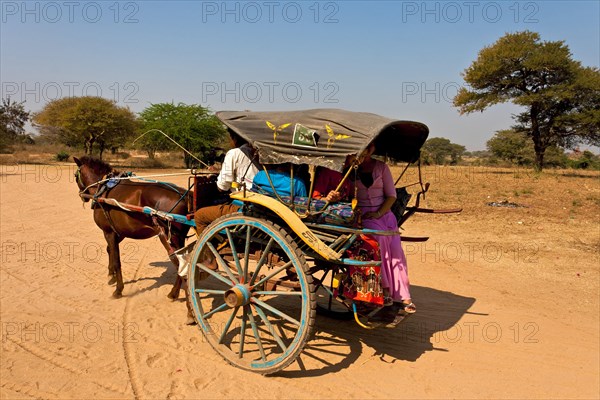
[325,137]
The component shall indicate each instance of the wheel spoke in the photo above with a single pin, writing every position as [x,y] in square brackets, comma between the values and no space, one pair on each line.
[243,331]
[272,274]
[262,260]
[330,300]
[222,262]
[228,324]
[247,253]
[213,273]
[256,335]
[329,292]
[275,311]
[277,292]
[209,291]
[234,252]
[262,316]
[220,308]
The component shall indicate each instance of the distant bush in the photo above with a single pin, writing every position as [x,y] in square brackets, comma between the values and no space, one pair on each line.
[587,160]
[62,156]
[441,151]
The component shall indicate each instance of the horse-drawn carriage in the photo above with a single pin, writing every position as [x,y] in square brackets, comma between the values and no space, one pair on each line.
[257,278]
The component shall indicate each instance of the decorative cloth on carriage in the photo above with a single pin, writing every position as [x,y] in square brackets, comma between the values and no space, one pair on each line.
[335,213]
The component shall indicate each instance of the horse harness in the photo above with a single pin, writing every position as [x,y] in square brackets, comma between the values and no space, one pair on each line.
[109,182]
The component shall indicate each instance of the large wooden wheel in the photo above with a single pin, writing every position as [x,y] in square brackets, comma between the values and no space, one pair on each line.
[251,294]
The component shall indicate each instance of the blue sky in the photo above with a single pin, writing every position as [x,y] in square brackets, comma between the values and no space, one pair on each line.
[401,59]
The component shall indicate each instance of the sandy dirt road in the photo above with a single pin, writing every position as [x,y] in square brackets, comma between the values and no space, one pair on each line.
[505,310]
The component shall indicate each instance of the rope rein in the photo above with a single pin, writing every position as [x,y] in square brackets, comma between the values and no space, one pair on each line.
[142,178]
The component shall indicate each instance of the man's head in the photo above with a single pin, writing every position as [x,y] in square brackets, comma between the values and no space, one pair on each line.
[236,139]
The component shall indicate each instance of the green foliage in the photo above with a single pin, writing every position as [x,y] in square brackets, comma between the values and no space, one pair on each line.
[13,118]
[62,156]
[192,126]
[93,123]
[517,148]
[511,146]
[585,160]
[442,151]
[561,98]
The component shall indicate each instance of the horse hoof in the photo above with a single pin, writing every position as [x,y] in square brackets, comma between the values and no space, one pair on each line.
[112,280]
[190,321]
[173,296]
[117,295]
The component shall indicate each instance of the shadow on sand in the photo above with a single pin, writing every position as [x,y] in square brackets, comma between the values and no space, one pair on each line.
[166,278]
[338,344]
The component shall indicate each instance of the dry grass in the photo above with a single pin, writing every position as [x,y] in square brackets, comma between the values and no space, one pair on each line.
[549,195]
[554,236]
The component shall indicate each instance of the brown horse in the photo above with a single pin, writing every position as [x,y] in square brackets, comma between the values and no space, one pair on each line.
[118,224]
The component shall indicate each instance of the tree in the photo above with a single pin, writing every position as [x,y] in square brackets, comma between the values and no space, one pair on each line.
[192,126]
[561,98]
[88,122]
[438,150]
[13,118]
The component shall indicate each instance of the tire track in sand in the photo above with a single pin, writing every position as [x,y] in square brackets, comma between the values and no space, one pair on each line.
[82,306]
[26,391]
[136,387]
[52,359]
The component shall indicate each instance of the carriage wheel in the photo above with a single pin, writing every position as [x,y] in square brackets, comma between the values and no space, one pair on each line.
[327,304]
[245,303]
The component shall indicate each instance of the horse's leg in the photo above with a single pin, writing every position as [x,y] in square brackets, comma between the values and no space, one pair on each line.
[111,269]
[172,245]
[114,261]
[190,320]
[103,223]
[177,242]
[174,293]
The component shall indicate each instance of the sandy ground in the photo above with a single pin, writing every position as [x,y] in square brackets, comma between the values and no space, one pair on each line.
[508,304]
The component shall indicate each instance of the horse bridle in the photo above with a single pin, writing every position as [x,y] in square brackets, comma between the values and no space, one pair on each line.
[83,189]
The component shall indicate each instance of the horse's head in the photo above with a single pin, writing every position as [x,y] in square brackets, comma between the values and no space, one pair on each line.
[89,172]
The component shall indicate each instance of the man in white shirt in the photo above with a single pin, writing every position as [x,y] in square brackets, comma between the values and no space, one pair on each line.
[239,166]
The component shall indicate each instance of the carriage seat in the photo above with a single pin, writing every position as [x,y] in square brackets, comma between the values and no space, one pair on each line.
[335,213]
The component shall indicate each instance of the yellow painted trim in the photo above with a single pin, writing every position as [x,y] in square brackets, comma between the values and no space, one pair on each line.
[293,221]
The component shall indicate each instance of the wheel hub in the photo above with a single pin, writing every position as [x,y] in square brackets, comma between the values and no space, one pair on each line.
[237,296]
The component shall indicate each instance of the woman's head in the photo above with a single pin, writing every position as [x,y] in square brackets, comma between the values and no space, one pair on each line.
[371,148]
[365,155]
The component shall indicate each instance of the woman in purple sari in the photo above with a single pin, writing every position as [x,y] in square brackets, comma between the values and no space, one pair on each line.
[376,194]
